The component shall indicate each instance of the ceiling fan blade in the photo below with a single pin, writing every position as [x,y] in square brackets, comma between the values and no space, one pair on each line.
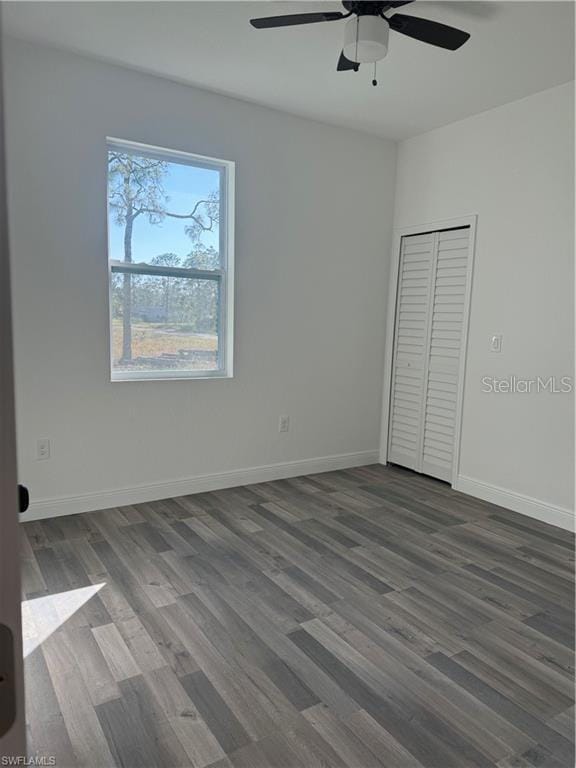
[345,64]
[269,22]
[398,3]
[428,31]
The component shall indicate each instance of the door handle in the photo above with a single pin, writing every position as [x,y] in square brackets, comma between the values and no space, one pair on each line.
[23,498]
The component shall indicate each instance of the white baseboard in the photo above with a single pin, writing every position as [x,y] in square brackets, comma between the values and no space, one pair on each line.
[88,502]
[526,505]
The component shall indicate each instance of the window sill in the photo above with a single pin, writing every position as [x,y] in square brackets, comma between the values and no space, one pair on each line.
[177,376]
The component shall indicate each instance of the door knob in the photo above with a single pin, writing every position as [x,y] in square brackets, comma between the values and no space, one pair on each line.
[23,498]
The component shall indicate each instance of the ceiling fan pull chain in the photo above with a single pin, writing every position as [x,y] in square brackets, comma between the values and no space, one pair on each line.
[357,35]
[375,82]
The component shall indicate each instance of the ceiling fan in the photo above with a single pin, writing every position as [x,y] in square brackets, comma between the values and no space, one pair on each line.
[366,32]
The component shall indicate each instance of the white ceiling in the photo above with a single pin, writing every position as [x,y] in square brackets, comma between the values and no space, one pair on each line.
[516,48]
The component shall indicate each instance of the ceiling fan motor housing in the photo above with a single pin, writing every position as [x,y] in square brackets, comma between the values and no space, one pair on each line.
[366,38]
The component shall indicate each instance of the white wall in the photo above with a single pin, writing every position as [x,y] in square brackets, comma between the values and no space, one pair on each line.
[514,167]
[313,228]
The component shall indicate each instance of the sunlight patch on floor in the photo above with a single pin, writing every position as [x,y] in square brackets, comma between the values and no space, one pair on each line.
[42,616]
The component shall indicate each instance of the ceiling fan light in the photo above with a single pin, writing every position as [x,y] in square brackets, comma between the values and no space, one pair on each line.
[366,39]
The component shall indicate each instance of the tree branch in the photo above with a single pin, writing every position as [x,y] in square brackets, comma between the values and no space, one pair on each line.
[191,215]
[115,157]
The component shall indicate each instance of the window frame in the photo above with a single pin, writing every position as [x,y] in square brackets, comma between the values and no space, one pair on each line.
[224,275]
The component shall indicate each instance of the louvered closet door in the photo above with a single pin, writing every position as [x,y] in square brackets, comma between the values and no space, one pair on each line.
[427,350]
[410,350]
[446,331]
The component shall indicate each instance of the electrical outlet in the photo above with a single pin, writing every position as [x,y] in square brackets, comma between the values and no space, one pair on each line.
[496,343]
[43,449]
[284,424]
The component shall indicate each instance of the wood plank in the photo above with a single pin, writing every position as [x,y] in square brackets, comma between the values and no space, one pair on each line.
[195,736]
[226,728]
[352,750]
[115,651]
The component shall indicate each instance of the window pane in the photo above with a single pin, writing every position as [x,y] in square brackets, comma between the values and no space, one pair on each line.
[163,211]
[164,324]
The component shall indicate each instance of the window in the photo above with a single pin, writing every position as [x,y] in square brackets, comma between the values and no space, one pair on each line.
[170,223]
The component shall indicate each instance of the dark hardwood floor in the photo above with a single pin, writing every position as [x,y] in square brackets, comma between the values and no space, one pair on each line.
[360,619]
